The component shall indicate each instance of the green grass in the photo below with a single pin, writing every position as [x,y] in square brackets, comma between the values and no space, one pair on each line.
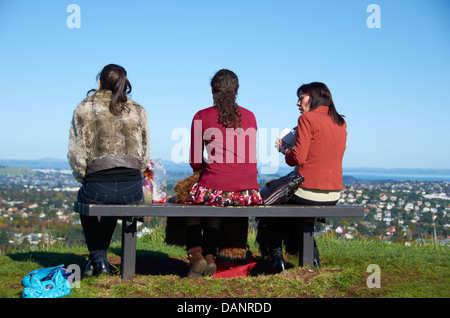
[418,271]
[406,271]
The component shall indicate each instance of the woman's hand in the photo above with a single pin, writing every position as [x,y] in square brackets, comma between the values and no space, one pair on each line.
[280,147]
[279,144]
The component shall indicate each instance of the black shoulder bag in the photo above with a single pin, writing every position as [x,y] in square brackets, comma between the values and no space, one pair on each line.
[280,190]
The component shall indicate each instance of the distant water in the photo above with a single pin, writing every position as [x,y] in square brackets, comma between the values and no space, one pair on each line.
[380,174]
[399,174]
[393,177]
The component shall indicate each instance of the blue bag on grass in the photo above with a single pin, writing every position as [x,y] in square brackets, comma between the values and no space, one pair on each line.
[49,282]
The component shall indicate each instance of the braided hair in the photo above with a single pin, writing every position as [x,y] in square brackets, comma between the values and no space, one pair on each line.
[225,85]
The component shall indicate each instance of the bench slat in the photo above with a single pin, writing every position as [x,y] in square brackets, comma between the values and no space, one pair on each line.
[175,210]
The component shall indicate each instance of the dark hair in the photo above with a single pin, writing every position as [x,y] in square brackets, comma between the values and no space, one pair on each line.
[225,85]
[320,95]
[114,78]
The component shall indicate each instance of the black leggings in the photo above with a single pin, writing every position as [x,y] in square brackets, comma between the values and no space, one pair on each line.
[277,230]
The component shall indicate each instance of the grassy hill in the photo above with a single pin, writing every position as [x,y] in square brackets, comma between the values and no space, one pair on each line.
[15,171]
[418,271]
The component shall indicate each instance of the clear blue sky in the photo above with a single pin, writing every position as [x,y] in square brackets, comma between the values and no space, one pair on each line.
[392,83]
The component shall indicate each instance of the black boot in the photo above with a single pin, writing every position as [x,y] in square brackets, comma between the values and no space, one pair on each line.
[98,261]
[278,262]
[102,268]
[89,270]
[274,239]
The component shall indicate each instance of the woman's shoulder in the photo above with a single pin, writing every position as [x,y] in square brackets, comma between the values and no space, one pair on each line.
[84,105]
[312,115]
[135,104]
[246,113]
[206,112]
[96,101]
[244,110]
[95,97]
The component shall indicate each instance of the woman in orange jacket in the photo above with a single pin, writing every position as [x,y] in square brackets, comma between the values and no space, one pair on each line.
[317,154]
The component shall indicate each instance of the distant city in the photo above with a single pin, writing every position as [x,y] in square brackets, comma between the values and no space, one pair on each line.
[397,174]
[410,206]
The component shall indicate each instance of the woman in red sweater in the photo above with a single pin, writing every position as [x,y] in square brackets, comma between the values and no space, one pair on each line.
[317,154]
[228,133]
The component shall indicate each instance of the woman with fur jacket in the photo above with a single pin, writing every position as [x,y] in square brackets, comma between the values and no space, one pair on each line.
[108,152]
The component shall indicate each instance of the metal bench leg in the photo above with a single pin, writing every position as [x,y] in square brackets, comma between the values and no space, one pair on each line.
[307,259]
[128,248]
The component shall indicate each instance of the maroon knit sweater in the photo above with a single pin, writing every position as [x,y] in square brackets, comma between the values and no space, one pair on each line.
[230,153]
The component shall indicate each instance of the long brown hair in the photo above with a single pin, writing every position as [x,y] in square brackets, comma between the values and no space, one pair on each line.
[114,78]
[320,95]
[225,85]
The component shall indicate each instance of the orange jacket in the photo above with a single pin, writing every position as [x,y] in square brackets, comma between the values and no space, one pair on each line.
[319,150]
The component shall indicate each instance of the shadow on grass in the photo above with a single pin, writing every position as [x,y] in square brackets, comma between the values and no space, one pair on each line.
[159,263]
[49,259]
[154,263]
[147,262]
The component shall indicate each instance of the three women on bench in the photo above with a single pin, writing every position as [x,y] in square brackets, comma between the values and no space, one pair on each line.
[109,151]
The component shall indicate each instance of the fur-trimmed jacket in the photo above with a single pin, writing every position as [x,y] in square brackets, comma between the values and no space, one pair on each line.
[100,140]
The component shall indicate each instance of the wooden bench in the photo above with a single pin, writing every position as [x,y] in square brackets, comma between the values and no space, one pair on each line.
[130,214]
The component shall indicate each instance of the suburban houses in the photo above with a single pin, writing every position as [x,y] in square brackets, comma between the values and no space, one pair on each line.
[37,208]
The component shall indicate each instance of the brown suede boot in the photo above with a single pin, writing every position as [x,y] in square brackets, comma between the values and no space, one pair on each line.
[197,264]
[211,266]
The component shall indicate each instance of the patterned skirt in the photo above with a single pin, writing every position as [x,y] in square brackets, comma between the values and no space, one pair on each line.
[201,195]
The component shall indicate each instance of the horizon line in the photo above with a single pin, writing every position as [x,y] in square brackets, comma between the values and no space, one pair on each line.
[281,167]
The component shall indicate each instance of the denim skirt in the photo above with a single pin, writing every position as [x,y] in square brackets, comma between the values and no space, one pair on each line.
[115,192]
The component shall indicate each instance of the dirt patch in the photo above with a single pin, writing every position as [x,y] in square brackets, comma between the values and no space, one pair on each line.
[303,274]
